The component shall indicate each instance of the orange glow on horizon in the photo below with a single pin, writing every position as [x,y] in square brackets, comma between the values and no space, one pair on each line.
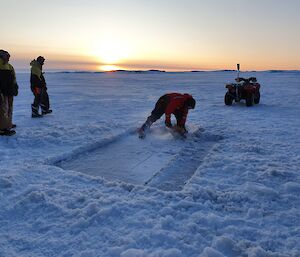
[92,63]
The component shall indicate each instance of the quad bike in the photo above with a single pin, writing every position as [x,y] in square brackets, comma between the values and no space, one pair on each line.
[247,89]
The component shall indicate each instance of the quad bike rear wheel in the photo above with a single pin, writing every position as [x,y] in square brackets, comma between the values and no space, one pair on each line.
[250,100]
[228,99]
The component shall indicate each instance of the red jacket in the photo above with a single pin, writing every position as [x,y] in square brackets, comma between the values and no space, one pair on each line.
[176,105]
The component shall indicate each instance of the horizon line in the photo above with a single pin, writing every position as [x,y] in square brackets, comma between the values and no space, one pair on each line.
[158,71]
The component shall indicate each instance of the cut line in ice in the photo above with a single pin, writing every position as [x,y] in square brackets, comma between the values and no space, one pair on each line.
[183,165]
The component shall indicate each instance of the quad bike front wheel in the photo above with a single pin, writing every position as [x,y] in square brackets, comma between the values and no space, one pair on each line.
[228,99]
[257,98]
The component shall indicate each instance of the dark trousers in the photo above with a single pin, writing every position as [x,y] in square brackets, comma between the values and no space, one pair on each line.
[157,112]
[45,104]
[159,109]
[5,120]
[41,99]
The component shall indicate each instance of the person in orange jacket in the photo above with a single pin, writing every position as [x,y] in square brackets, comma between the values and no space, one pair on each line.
[172,103]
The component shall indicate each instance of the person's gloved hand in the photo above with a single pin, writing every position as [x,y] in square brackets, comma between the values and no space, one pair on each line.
[168,124]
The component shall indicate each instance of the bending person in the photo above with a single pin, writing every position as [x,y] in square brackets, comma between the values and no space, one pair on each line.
[172,103]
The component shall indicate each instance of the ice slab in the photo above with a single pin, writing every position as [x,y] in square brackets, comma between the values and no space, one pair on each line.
[159,161]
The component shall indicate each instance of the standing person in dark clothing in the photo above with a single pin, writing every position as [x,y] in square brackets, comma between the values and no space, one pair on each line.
[173,103]
[39,88]
[8,89]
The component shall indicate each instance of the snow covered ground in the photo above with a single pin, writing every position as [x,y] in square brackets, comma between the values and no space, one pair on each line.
[80,183]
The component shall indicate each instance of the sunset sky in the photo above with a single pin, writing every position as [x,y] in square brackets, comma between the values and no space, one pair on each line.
[172,35]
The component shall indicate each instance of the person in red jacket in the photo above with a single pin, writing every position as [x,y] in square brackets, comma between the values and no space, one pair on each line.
[172,103]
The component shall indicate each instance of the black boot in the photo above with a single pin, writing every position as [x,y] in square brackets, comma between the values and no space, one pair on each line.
[35,112]
[142,131]
[7,132]
[44,112]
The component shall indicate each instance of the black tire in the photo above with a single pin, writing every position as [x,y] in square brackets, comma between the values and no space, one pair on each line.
[250,100]
[257,98]
[228,99]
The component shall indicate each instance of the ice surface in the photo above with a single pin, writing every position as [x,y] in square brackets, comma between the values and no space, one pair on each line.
[234,190]
[127,159]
